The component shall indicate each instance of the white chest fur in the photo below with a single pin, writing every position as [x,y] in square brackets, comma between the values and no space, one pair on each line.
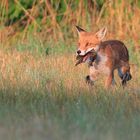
[100,64]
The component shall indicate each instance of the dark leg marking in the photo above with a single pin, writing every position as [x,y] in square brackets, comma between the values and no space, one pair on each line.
[126,77]
[89,81]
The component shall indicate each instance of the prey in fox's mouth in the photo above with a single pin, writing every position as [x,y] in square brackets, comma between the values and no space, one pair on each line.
[88,57]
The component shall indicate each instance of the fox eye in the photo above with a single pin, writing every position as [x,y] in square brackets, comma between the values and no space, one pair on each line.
[90,44]
[87,44]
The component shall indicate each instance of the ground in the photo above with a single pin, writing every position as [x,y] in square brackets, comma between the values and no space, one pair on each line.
[46,97]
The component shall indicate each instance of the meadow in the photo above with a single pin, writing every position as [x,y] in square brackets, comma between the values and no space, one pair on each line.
[42,94]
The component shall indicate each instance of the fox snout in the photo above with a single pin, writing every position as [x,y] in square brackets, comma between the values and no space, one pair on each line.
[83,52]
[78,52]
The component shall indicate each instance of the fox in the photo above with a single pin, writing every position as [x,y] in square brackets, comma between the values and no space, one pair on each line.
[111,55]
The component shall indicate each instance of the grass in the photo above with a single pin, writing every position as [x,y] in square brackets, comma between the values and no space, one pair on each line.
[45,97]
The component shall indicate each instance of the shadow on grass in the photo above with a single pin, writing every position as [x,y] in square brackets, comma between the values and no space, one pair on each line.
[69,114]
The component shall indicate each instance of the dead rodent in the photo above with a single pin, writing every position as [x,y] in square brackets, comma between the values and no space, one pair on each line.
[88,57]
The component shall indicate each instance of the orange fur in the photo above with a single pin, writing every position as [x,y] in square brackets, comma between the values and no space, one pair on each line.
[111,55]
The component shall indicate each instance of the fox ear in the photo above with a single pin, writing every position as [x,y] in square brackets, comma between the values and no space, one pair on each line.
[101,33]
[79,30]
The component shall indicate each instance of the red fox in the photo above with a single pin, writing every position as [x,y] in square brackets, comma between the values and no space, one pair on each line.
[111,55]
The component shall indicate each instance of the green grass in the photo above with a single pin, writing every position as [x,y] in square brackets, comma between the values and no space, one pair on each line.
[27,114]
[45,97]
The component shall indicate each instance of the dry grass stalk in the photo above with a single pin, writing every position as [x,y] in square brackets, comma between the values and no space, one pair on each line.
[122,18]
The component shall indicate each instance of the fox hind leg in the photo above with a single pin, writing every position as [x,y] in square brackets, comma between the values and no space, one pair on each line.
[124,74]
[110,80]
[126,77]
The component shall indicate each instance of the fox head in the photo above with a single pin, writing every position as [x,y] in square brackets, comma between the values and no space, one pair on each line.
[89,41]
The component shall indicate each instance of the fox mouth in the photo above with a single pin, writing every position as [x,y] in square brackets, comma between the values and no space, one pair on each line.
[89,57]
[83,53]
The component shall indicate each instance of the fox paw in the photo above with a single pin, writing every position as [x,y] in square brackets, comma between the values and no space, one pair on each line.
[89,81]
[126,77]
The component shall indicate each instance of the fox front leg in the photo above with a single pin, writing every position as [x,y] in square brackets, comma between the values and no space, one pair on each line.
[93,76]
[89,81]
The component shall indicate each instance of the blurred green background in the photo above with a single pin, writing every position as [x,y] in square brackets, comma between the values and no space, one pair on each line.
[56,19]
